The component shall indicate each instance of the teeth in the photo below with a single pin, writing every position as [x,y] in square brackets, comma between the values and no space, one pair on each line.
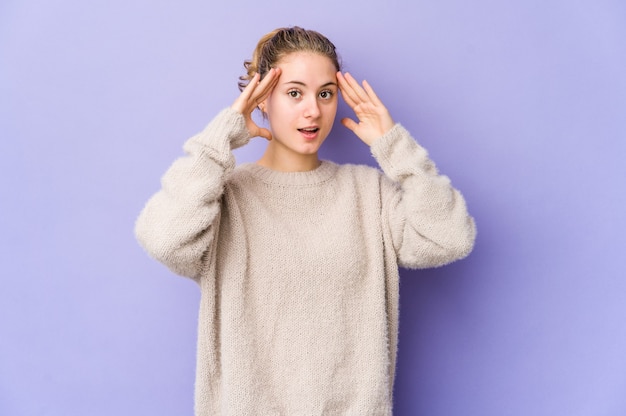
[309,130]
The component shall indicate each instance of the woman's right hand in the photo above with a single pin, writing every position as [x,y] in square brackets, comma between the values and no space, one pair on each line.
[250,98]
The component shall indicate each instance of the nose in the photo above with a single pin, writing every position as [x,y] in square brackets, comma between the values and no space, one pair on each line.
[312,108]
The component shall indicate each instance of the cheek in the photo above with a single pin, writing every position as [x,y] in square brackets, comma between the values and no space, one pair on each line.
[279,113]
[331,110]
[278,105]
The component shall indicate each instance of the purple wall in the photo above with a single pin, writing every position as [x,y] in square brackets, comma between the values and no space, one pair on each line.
[522,103]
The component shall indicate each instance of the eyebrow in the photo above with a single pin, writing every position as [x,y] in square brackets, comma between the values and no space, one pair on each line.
[328,84]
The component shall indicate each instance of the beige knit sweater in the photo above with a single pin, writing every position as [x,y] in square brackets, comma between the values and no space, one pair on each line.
[299,271]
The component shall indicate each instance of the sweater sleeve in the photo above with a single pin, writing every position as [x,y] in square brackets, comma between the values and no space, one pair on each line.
[428,219]
[178,223]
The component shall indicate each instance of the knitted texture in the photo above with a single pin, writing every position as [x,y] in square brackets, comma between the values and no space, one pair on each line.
[299,271]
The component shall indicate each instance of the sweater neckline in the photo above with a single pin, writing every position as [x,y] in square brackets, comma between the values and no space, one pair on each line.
[322,173]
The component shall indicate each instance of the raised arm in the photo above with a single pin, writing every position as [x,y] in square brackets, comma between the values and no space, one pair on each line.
[427,218]
[178,224]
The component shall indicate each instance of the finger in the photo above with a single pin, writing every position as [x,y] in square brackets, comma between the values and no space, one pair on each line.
[266,86]
[345,89]
[349,123]
[254,82]
[370,92]
[358,91]
[265,133]
[341,80]
[241,102]
[348,91]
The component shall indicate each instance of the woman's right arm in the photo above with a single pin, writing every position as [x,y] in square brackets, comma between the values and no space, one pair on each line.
[178,224]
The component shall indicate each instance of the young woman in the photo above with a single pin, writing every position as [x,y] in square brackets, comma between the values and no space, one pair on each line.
[297,258]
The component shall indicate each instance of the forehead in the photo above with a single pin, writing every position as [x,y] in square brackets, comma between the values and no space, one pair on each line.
[307,66]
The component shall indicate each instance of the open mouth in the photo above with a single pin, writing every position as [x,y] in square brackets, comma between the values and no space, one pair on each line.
[309,130]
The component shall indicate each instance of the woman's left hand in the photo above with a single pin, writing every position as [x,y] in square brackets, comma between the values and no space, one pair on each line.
[374,119]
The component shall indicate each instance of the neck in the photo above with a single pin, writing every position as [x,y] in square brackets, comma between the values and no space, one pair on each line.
[284,161]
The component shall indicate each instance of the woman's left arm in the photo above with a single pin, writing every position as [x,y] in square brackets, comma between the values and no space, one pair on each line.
[427,218]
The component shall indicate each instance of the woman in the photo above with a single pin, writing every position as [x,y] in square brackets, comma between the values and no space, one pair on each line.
[297,259]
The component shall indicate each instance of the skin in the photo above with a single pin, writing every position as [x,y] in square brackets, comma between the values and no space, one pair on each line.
[300,94]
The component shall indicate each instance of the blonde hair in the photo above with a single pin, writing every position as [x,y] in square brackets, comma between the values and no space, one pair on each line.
[281,42]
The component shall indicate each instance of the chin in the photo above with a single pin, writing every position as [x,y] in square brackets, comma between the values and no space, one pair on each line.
[309,150]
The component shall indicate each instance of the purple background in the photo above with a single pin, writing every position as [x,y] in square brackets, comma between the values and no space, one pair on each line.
[522,103]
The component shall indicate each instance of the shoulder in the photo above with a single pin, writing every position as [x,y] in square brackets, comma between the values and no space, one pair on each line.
[238,176]
[366,181]
[354,170]
[364,174]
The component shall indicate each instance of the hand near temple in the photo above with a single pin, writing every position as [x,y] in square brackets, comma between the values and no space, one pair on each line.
[374,119]
[249,99]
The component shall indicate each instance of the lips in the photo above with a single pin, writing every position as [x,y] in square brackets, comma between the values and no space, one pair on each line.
[309,133]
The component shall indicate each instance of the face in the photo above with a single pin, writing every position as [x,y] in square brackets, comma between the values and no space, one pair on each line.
[302,107]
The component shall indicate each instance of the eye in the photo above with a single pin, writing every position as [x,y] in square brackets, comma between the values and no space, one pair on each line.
[326,94]
[294,93]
